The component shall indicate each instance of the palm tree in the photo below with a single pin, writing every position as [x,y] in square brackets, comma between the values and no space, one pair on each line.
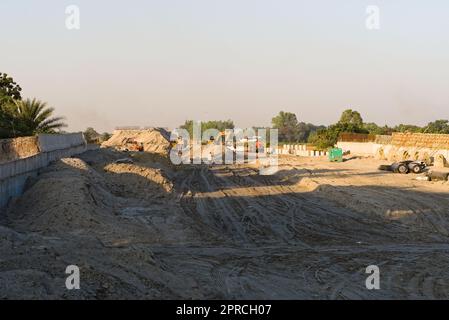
[35,117]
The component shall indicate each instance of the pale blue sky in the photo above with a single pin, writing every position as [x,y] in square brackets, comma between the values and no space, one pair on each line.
[158,63]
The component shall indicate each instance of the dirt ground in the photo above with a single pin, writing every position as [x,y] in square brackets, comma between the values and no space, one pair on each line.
[154,140]
[150,230]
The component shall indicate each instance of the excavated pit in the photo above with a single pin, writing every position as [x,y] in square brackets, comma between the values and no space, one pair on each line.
[150,230]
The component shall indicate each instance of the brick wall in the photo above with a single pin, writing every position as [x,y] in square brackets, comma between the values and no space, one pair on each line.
[421,140]
[18,148]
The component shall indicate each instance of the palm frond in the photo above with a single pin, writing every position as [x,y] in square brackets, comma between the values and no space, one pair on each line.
[36,117]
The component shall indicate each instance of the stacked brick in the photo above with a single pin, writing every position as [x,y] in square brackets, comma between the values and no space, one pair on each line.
[18,148]
[421,140]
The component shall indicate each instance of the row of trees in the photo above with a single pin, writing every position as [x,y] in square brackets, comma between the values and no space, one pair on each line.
[92,136]
[291,130]
[352,122]
[27,117]
[219,125]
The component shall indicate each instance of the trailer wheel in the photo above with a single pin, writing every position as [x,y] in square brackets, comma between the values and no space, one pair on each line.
[416,169]
[402,169]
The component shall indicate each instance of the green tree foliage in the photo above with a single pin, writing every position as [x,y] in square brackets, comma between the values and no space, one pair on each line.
[373,128]
[306,130]
[219,125]
[350,121]
[407,128]
[34,117]
[9,92]
[290,129]
[9,89]
[351,118]
[105,136]
[23,117]
[287,125]
[324,138]
[27,118]
[91,135]
[9,125]
[438,126]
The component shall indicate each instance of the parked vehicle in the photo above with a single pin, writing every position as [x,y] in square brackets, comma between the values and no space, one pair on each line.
[404,167]
[133,145]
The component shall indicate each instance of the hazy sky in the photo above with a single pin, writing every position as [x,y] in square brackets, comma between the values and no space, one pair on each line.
[157,63]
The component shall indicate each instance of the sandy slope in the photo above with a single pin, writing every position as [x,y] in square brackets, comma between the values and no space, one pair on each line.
[152,230]
[155,140]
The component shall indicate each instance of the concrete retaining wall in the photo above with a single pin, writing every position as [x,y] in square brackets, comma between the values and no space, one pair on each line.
[52,142]
[14,174]
[360,148]
[408,151]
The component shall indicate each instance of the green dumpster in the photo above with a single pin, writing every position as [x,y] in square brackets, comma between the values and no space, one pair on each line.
[336,155]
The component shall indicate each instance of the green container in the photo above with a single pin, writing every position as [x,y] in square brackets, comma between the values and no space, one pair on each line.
[336,155]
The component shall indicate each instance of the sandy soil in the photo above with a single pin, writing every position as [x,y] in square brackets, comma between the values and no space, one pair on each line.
[152,230]
[155,140]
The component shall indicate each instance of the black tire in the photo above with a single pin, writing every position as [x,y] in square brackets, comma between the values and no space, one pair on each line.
[416,169]
[403,169]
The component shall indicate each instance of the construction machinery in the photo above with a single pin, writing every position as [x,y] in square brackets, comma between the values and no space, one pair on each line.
[404,167]
[133,145]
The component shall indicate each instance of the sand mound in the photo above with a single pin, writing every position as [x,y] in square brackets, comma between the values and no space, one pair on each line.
[45,208]
[137,181]
[155,140]
[72,197]
[224,232]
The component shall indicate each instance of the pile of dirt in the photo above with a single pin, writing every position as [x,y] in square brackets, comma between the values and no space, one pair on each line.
[155,140]
[138,181]
[101,216]
[149,230]
[90,203]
